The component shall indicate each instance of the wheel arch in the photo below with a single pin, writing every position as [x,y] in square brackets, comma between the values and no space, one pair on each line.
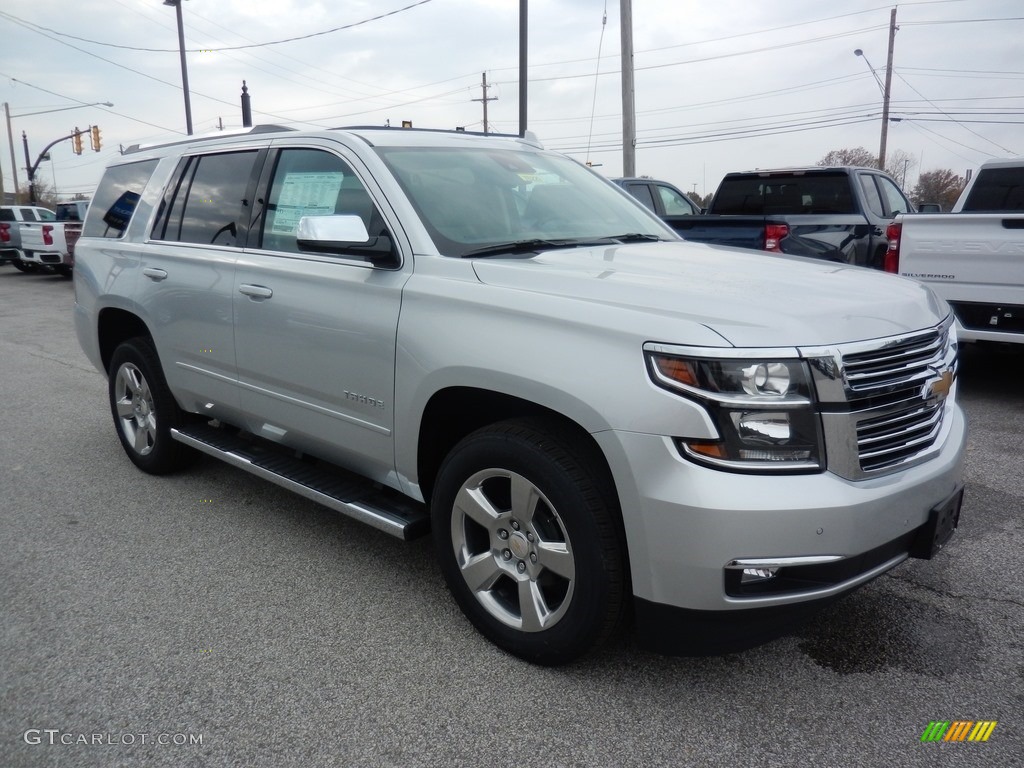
[114,327]
[455,412]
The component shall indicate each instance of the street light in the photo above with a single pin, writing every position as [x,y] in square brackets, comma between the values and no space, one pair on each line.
[10,133]
[184,68]
[885,107]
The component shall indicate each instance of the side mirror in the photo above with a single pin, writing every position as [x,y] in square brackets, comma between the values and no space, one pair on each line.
[345,234]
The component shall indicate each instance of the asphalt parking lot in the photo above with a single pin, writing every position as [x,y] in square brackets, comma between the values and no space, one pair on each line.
[213,619]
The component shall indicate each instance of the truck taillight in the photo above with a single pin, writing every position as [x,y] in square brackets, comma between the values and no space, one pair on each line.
[47,234]
[773,234]
[892,253]
[5,233]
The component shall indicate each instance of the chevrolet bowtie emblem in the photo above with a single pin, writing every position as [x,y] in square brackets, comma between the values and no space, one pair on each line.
[940,387]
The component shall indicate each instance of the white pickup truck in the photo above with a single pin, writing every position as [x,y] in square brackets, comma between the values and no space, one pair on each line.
[974,256]
[52,243]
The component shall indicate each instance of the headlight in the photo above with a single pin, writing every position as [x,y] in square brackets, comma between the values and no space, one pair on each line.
[763,410]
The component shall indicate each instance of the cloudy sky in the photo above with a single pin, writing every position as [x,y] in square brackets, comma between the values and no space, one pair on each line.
[720,86]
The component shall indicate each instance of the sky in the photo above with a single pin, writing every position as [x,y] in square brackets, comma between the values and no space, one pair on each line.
[719,86]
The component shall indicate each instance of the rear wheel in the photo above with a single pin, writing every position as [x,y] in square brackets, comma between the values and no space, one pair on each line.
[144,410]
[525,523]
[63,270]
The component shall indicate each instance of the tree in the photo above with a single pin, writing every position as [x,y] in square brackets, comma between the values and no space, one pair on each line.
[898,163]
[855,156]
[940,186]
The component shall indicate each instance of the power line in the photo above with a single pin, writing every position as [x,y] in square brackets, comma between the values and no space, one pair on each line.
[230,48]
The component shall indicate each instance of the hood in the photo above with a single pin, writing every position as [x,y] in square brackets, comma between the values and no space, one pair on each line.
[750,298]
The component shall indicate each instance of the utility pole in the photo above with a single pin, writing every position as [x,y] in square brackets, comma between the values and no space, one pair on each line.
[888,91]
[522,67]
[10,138]
[628,93]
[485,98]
[184,65]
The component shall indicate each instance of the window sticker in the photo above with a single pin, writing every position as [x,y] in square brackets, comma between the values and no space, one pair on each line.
[305,194]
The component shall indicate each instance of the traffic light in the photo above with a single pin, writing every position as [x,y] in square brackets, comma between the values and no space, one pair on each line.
[94,138]
[76,141]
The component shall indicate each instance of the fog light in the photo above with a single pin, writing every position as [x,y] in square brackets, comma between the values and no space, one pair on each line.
[757,575]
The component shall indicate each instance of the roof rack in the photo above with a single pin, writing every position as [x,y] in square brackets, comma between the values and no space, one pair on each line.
[264,128]
[530,136]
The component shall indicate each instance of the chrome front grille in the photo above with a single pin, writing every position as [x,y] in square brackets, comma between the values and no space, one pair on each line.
[889,440]
[885,402]
[898,365]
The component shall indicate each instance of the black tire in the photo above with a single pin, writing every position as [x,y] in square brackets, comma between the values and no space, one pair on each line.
[144,410]
[526,512]
[25,266]
[63,270]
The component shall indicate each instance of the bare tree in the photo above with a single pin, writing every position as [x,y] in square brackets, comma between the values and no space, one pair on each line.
[940,186]
[855,156]
[899,164]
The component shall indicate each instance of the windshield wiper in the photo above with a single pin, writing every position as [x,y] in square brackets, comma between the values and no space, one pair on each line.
[635,237]
[527,246]
[536,244]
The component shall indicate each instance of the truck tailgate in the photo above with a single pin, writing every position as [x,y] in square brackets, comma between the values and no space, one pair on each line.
[965,256]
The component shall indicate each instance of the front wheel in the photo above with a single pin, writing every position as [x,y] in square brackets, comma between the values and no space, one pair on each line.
[527,530]
[144,409]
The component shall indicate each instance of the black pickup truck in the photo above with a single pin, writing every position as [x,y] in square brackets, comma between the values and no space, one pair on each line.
[838,214]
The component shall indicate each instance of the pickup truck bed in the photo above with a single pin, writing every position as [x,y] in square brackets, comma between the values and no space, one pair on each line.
[835,214]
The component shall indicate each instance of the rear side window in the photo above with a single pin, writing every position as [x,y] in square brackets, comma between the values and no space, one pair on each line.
[997,190]
[28,214]
[116,198]
[871,195]
[6,214]
[208,204]
[642,192]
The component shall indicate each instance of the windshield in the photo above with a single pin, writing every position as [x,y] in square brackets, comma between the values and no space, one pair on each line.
[472,198]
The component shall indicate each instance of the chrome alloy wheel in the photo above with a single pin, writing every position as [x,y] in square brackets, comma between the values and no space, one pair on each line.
[136,411]
[512,550]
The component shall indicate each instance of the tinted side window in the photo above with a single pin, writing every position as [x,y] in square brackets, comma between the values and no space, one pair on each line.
[997,190]
[895,202]
[871,196]
[116,197]
[642,192]
[27,214]
[7,214]
[311,182]
[675,204]
[44,214]
[208,205]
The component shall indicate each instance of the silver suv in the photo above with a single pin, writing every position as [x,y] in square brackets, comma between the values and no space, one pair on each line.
[472,336]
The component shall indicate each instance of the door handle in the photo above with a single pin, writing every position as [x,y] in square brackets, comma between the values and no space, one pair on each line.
[255,291]
[155,274]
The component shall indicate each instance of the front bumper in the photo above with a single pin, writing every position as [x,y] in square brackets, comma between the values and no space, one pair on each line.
[686,523]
